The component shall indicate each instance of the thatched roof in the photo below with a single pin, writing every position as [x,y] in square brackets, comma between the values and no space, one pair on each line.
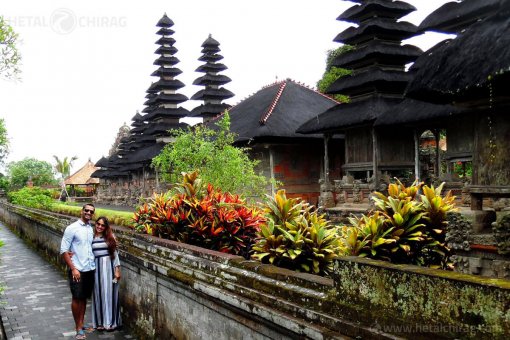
[371,78]
[209,109]
[166,72]
[276,111]
[385,29]
[83,176]
[344,116]
[411,112]
[461,69]
[453,17]
[214,94]
[163,127]
[145,154]
[165,21]
[386,53]
[153,112]
[381,8]
[212,79]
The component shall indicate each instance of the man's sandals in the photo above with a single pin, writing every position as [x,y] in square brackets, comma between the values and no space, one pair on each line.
[81,334]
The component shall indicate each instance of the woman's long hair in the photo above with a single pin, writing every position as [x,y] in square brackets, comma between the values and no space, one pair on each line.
[108,236]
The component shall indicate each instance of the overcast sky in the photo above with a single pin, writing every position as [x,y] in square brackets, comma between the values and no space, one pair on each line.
[87,64]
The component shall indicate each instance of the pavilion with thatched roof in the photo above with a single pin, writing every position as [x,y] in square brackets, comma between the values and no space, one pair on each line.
[83,179]
[266,122]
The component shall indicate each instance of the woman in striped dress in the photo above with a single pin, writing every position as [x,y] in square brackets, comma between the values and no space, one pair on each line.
[105,299]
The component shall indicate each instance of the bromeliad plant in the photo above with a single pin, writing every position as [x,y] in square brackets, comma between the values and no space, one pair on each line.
[405,227]
[296,237]
[203,216]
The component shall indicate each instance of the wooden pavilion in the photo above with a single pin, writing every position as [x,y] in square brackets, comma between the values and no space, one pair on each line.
[83,179]
[266,122]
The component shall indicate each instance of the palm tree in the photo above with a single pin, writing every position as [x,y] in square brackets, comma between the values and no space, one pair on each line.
[63,167]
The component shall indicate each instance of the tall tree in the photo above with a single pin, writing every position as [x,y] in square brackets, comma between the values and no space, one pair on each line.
[9,54]
[63,167]
[30,169]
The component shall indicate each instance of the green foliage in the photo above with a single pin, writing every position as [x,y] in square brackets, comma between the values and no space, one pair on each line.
[63,166]
[9,55]
[332,73]
[39,172]
[333,53]
[329,78]
[405,227]
[33,197]
[4,141]
[463,169]
[296,237]
[203,216]
[211,153]
[4,183]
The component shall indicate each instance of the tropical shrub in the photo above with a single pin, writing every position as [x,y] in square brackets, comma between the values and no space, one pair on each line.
[405,227]
[210,151]
[33,197]
[297,237]
[200,215]
[40,173]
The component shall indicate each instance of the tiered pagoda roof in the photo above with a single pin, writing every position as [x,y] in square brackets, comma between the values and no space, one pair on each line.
[214,93]
[454,17]
[377,61]
[149,131]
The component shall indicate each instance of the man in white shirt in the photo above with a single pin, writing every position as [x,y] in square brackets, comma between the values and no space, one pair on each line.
[77,240]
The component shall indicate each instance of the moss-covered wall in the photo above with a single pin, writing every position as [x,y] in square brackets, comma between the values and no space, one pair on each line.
[173,289]
[423,302]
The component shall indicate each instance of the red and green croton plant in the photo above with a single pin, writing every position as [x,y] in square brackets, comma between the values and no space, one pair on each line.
[201,215]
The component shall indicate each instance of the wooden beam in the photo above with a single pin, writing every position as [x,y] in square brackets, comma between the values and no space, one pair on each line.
[375,161]
[327,137]
[417,174]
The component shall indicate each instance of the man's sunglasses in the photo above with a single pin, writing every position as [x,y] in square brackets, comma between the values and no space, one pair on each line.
[89,211]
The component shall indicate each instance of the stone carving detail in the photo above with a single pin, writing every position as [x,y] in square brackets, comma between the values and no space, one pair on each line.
[501,269]
[357,195]
[460,263]
[458,232]
[501,204]
[501,231]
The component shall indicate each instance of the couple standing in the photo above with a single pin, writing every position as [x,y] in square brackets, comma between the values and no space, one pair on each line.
[93,261]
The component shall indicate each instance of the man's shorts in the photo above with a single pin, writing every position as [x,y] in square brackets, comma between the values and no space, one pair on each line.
[82,289]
